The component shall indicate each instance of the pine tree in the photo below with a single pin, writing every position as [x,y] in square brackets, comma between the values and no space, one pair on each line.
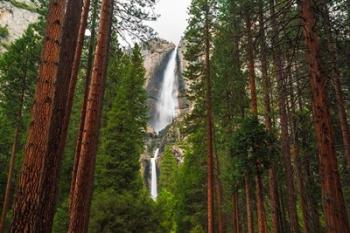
[19,69]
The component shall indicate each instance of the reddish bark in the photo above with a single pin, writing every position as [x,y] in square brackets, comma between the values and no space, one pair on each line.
[251,66]
[335,75]
[38,185]
[76,66]
[210,142]
[260,207]
[268,122]
[249,206]
[219,197]
[292,213]
[86,93]
[332,195]
[274,197]
[81,196]
[235,214]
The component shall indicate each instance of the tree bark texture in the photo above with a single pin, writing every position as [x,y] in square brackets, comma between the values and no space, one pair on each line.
[81,196]
[37,191]
[332,195]
[249,206]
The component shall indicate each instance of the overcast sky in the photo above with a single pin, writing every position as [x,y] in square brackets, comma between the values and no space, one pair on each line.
[173,19]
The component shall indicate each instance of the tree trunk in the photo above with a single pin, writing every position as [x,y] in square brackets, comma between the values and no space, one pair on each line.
[219,196]
[268,122]
[251,67]
[81,196]
[254,108]
[37,192]
[274,197]
[332,195]
[76,63]
[86,93]
[249,207]
[210,162]
[235,214]
[297,158]
[9,184]
[260,204]
[335,75]
[278,66]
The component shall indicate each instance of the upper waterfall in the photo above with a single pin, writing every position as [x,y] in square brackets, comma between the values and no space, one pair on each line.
[167,101]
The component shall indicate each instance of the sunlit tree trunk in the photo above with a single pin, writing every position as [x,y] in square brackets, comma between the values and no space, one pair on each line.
[82,192]
[332,195]
[38,185]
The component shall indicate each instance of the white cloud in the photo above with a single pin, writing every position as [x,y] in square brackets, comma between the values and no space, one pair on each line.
[173,19]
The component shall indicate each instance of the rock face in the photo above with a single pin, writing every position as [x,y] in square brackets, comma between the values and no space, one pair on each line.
[16,17]
[156,55]
[156,59]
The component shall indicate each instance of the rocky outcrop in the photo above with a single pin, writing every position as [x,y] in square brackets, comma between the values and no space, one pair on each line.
[156,55]
[16,15]
[184,103]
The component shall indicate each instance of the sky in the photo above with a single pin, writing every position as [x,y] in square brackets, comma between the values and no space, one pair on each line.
[173,19]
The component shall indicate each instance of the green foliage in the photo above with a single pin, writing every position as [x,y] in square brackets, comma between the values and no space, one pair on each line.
[254,146]
[4,32]
[123,212]
[166,204]
[123,134]
[120,203]
[23,5]
[61,218]
[168,173]
[18,71]
[190,192]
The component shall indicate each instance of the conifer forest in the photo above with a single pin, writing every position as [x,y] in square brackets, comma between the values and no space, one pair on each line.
[175,116]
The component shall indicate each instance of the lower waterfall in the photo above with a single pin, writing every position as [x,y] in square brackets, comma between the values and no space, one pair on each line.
[154,183]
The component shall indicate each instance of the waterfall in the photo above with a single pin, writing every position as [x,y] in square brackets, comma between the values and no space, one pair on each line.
[154,186]
[166,110]
[167,103]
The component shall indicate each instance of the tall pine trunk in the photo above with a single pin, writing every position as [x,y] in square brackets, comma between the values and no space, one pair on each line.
[76,62]
[83,186]
[278,66]
[260,203]
[249,206]
[332,195]
[86,93]
[235,214]
[254,109]
[38,186]
[210,142]
[261,214]
[219,197]
[335,76]
[273,191]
